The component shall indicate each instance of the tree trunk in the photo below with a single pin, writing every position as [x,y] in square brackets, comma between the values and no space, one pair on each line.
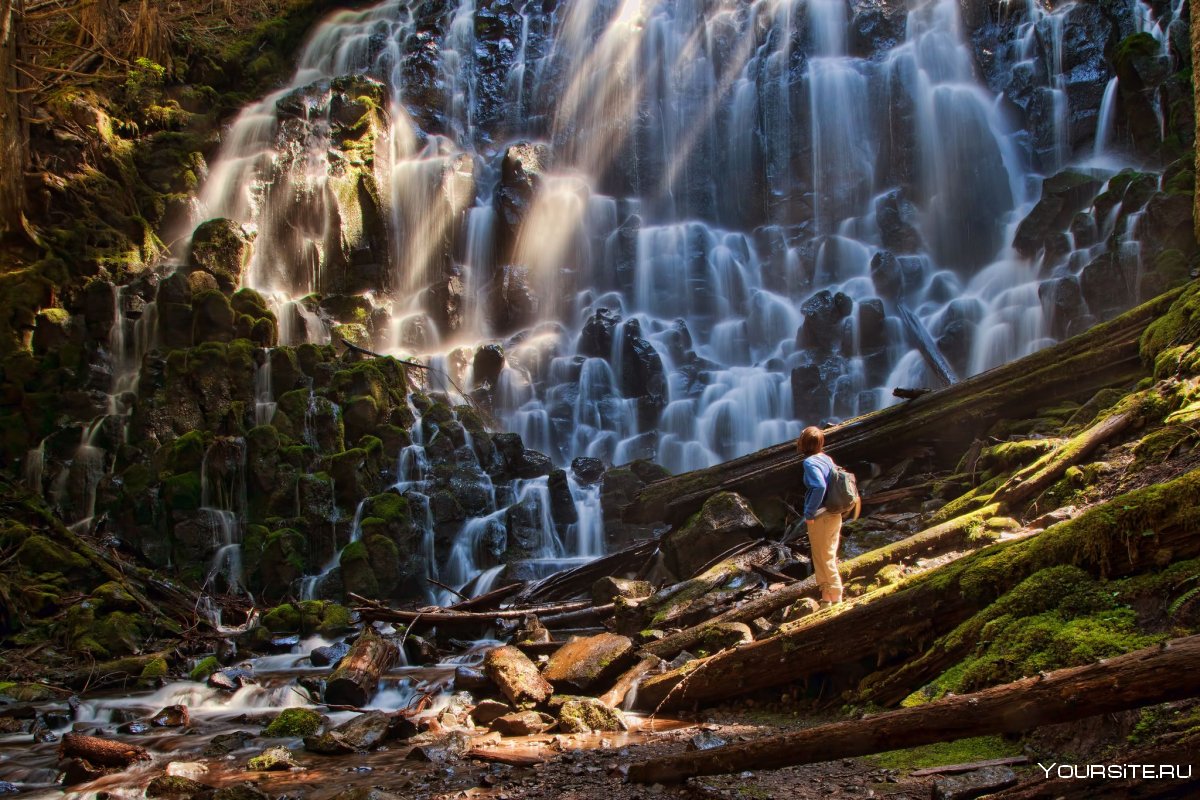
[921,339]
[940,537]
[615,697]
[1154,675]
[356,678]
[14,142]
[465,619]
[100,752]
[892,626]
[947,420]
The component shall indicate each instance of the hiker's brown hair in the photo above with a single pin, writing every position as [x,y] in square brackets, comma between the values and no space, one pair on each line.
[811,441]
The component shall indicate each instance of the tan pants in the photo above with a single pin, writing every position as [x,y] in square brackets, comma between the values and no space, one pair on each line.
[824,533]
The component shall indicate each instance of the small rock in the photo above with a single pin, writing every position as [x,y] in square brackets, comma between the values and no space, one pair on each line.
[517,677]
[243,791]
[77,770]
[522,723]
[232,679]
[973,784]
[225,743]
[273,759]
[172,717]
[587,714]
[362,732]
[328,655]
[9,788]
[135,728]
[177,788]
[705,740]
[488,710]
[364,793]
[470,679]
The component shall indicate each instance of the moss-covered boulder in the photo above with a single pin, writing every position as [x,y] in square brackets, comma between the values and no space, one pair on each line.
[588,662]
[222,248]
[517,677]
[294,722]
[724,521]
[588,715]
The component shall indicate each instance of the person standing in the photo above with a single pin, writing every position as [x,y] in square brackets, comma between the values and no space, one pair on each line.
[824,526]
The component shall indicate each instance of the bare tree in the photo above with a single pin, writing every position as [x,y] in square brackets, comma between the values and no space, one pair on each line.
[14,139]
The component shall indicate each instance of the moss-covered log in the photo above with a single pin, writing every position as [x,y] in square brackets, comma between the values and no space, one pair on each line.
[947,420]
[1132,533]
[1153,675]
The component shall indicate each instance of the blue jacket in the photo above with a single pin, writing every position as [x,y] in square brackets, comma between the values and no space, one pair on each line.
[817,470]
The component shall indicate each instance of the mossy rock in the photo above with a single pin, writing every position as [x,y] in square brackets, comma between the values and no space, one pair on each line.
[154,672]
[205,667]
[324,617]
[294,722]
[40,555]
[112,596]
[357,574]
[282,619]
[120,633]
[182,492]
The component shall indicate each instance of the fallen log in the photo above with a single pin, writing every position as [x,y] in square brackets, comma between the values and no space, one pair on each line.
[1129,534]
[940,537]
[356,678]
[100,752]
[1045,472]
[920,338]
[949,420]
[122,671]
[587,613]
[488,600]
[569,583]
[957,769]
[1155,674]
[447,618]
[512,757]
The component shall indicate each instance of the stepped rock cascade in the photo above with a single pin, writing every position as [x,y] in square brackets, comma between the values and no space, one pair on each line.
[625,232]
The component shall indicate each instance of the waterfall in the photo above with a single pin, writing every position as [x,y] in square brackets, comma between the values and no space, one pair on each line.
[223,507]
[691,227]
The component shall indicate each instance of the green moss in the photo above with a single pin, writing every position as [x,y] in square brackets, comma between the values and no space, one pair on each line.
[154,671]
[1010,455]
[182,492]
[1167,343]
[285,618]
[207,666]
[294,722]
[324,617]
[963,751]
[119,633]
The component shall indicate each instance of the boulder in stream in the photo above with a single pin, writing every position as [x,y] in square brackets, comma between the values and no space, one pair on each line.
[517,677]
[362,732]
[595,660]
[173,787]
[587,715]
[725,520]
[273,759]
[522,723]
[176,716]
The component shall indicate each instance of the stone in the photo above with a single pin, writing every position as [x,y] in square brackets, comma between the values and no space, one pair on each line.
[1063,196]
[607,589]
[588,662]
[705,740]
[521,723]
[976,783]
[472,680]
[328,655]
[486,711]
[361,732]
[242,791]
[172,717]
[725,520]
[486,365]
[586,470]
[823,316]
[225,743]
[596,337]
[222,248]
[230,680]
[365,793]
[273,759]
[177,788]
[897,219]
[517,677]
[588,715]
[724,635]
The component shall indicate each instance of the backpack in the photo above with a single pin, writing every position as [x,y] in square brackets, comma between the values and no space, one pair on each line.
[841,493]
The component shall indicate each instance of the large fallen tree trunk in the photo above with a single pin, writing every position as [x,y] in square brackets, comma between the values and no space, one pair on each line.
[464,619]
[1134,532]
[940,537]
[356,678]
[577,581]
[947,420]
[1154,675]
[100,752]
[920,338]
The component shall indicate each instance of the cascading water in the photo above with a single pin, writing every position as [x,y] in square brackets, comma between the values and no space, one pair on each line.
[693,229]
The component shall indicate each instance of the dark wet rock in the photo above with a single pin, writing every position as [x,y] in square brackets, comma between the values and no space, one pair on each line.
[589,662]
[230,680]
[607,589]
[471,679]
[365,793]
[273,759]
[447,749]
[242,791]
[521,173]
[328,655]
[897,218]
[618,488]
[705,740]
[1107,286]
[812,389]
[876,27]
[596,337]
[516,676]
[176,716]
[641,367]
[222,248]
[1064,298]
[135,727]
[823,316]
[970,785]
[175,787]
[486,711]
[76,771]
[225,743]
[587,470]
[9,788]
[1063,196]
[587,715]
[725,520]
[362,732]
[562,504]
[486,366]
[521,723]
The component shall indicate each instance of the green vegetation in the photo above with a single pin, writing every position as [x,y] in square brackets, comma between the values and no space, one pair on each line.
[294,722]
[963,751]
